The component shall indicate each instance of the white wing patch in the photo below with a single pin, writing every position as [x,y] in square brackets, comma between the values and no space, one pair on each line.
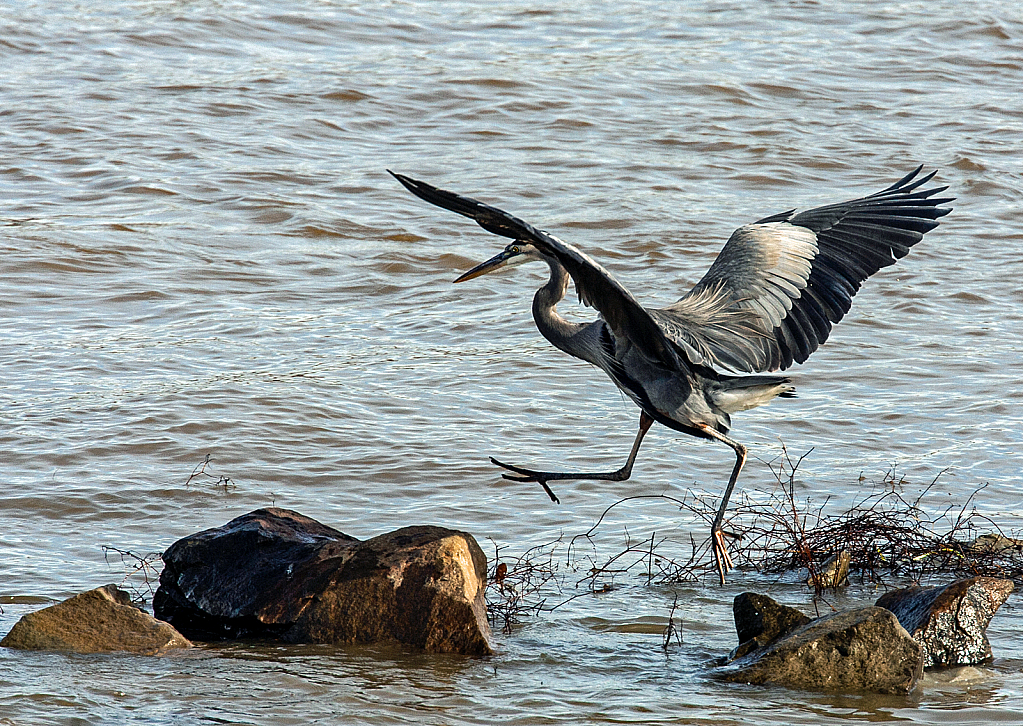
[729,317]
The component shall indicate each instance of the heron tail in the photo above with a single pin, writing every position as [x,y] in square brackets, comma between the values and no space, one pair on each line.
[739,393]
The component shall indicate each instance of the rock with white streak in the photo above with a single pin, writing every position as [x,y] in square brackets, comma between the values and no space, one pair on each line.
[950,622]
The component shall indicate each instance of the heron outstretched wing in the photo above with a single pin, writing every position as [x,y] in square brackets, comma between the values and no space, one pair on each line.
[596,286]
[779,285]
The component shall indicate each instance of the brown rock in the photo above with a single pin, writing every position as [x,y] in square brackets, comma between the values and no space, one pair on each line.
[857,650]
[276,573]
[995,544]
[950,622]
[99,621]
[418,585]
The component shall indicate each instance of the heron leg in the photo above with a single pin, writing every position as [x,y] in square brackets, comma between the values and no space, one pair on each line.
[721,557]
[542,477]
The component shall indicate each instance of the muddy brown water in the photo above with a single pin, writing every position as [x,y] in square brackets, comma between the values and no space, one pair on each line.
[202,254]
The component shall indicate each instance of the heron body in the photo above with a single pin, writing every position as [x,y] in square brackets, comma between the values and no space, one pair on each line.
[768,301]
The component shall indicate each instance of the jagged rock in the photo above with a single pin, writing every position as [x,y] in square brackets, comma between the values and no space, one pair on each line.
[950,622]
[857,650]
[760,620]
[98,621]
[276,573]
[251,577]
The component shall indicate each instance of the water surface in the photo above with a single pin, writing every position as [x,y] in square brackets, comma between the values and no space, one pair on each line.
[203,254]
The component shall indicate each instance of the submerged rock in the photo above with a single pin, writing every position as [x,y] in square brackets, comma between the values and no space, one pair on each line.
[759,620]
[995,544]
[950,622]
[276,573]
[858,650]
[99,621]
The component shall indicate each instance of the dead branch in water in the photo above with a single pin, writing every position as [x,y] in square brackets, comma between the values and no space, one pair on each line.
[137,567]
[200,470]
[660,567]
[670,630]
[515,586]
[886,534]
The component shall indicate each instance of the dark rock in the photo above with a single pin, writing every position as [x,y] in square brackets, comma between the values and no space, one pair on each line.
[858,650]
[252,577]
[759,616]
[760,620]
[276,573]
[950,622]
[98,621]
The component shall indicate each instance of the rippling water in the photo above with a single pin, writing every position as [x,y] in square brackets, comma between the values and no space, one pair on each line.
[202,254]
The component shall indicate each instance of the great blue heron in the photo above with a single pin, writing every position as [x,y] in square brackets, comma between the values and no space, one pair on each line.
[768,301]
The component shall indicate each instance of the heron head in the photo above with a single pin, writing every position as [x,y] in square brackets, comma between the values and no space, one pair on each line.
[514,254]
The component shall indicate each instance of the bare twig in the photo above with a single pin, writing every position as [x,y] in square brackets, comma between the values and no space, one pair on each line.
[515,585]
[200,470]
[137,567]
[670,629]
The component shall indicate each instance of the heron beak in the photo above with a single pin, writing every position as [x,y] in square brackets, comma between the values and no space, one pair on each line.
[494,263]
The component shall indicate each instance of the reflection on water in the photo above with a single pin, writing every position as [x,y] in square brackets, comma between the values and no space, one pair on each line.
[203,254]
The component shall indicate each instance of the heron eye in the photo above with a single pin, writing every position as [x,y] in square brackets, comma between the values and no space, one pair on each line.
[515,249]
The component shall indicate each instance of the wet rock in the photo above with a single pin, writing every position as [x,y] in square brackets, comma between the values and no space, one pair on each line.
[759,620]
[857,650]
[251,577]
[99,621]
[418,585]
[950,622]
[996,544]
[276,573]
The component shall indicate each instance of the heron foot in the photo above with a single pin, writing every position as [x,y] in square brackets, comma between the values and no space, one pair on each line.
[721,556]
[540,477]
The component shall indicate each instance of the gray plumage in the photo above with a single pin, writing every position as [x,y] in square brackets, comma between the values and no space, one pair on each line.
[769,300]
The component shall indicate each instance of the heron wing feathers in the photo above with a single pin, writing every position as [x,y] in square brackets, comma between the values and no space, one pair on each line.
[778,286]
[772,295]
[747,293]
[598,289]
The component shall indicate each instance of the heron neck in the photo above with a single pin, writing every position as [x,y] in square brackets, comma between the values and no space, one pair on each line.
[558,331]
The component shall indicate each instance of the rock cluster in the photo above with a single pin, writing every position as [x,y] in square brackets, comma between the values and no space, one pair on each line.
[98,621]
[883,648]
[276,573]
[864,649]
